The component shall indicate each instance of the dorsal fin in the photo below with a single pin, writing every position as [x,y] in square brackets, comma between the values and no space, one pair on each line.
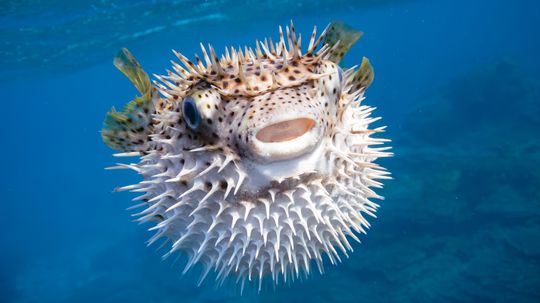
[129,129]
[363,78]
[347,36]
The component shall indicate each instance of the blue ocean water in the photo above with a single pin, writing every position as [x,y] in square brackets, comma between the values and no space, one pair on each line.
[457,83]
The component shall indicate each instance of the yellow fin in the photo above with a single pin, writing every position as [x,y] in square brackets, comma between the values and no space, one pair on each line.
[363,78]
[347,36]
[129,129]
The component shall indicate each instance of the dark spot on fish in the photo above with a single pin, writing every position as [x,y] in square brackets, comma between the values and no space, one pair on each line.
[223,185]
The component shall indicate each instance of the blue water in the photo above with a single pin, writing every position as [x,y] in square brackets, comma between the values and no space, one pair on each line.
[457,82]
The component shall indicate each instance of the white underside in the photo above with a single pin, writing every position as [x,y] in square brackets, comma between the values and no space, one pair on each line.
[272,219]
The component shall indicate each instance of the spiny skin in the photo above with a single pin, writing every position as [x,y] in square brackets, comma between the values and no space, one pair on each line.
[279,168]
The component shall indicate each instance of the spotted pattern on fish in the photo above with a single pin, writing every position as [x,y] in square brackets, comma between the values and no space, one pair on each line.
[257,163]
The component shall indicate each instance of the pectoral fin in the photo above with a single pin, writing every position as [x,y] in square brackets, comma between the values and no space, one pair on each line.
[344,36]
[363,78]
[128,130]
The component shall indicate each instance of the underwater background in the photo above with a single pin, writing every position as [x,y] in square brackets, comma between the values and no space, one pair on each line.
[457,83]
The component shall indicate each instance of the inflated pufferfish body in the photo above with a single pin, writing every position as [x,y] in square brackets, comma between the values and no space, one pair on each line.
[256,164]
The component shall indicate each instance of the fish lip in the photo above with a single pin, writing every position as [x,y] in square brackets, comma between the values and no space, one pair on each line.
[285,130]
[268,150]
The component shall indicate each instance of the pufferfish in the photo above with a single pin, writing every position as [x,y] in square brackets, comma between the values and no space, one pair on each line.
[258,164]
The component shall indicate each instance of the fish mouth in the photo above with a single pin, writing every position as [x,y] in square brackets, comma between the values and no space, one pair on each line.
[285,130]
[285,139]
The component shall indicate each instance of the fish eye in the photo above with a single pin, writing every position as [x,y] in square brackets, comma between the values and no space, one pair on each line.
[191,113]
